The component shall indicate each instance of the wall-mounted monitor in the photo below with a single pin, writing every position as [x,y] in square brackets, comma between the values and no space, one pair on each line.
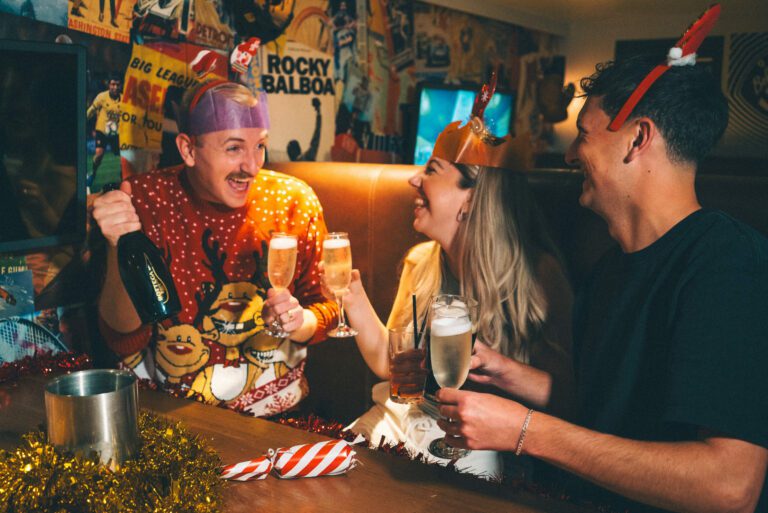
[42,145]
[440,104]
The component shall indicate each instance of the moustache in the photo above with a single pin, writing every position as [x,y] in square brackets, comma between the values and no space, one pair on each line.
[240,175]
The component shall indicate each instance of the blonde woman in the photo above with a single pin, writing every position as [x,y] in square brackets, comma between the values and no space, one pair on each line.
[488,242]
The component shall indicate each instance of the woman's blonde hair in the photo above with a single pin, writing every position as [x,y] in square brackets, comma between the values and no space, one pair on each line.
[499,243]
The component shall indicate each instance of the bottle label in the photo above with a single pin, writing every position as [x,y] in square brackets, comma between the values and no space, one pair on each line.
[161,291]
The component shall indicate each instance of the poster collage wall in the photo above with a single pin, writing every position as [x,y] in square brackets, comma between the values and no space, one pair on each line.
[337,73]
[342,71]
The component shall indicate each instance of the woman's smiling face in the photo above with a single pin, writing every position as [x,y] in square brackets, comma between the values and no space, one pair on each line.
[439,200]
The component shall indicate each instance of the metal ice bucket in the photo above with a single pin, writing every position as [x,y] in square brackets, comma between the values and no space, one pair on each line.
[94,412]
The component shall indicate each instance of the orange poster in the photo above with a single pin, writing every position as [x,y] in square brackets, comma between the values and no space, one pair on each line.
[110,19]
[152,70]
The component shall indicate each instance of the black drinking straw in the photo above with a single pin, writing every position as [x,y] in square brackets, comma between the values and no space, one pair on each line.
[415,316]
[421,329]
[419,333]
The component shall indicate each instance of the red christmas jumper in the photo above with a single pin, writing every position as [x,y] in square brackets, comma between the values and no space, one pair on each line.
[217,351]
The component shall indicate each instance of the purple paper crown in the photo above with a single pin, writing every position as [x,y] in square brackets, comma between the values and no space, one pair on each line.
[214,112]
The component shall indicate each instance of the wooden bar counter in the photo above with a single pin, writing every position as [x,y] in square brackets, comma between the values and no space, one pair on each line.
[380,483]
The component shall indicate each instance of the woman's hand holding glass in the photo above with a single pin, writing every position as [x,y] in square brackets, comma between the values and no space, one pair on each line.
[352,296]
[489,367]
[337,275]
[407,372]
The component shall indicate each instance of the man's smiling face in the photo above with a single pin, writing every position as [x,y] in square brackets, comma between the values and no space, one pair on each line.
[225,164]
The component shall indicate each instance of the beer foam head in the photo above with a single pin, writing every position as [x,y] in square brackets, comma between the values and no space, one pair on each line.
[450,326]
[335,243]
[283,243]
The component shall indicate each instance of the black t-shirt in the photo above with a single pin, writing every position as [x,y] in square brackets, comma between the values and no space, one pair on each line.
[674,338]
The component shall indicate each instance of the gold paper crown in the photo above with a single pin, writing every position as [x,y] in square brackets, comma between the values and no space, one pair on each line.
[473,144]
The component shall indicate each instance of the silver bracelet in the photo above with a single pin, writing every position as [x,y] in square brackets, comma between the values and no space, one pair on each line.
[520,441]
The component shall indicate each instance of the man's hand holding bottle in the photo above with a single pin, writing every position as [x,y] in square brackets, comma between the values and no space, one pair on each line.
[115,214]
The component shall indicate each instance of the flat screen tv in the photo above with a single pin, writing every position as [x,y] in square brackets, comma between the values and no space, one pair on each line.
[440,104]
[42,145]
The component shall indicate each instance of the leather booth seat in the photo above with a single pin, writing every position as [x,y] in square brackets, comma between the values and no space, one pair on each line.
[374,204]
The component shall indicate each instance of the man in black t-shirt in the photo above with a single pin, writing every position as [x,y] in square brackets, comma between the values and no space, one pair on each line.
[670,330]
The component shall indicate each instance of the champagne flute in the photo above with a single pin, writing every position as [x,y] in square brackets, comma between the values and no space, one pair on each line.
[337,266]
[281,264]
[450,352]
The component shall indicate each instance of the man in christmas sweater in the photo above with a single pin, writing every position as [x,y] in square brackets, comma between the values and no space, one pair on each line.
[213,218]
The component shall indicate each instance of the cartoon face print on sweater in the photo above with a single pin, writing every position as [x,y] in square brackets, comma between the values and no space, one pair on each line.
[180,350]
[267,359]
[235,314]
[260,349]
[261,352]
[221,383]
[226,382]
[141,364]
[275,356]
[229,312]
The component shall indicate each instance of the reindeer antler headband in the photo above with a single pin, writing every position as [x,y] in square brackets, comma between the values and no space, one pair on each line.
[474,144]
[682,54]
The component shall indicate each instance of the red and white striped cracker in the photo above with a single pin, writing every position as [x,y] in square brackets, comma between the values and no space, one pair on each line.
[329,458]
[248,470]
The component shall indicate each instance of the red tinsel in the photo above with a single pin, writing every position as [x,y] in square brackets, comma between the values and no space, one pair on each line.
[45,364]
[315,424]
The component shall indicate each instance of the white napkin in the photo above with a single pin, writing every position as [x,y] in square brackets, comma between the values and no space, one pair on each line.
[416,426]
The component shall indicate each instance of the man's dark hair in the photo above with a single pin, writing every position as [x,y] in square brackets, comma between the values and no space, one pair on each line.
[685,103]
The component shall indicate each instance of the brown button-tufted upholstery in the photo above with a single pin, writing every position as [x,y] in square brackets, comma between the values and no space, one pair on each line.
[374,204]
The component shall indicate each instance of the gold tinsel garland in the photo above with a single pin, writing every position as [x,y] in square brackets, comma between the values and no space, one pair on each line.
[175,472]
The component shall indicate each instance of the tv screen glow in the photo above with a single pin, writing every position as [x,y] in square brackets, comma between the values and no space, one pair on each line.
[439,106]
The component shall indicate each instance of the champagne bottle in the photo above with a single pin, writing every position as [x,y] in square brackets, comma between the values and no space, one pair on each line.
[146,277]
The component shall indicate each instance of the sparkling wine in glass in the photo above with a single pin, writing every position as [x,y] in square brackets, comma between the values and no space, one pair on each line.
[281,264]
[450,352]
[337,266]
